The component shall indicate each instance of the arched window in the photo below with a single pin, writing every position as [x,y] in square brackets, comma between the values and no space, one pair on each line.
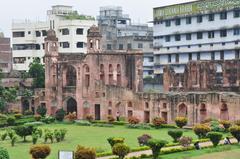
[71,76]
[91,43]
[71,105]
[119,75]
[86,76]
[224,112]
[182,110]
[98,44]
[102,74]
[203,112]
[110,74]
[130,104]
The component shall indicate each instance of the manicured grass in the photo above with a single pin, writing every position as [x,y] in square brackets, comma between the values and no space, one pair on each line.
[220,152]
[88,136]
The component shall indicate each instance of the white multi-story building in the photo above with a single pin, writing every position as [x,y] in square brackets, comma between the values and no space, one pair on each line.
[28,37]
[199,30]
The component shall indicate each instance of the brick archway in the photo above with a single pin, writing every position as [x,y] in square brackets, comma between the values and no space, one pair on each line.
[224,112]
[71,105]
[182,110]
[202,112]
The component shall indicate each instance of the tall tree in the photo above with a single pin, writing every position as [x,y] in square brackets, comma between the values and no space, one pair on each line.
[37,72]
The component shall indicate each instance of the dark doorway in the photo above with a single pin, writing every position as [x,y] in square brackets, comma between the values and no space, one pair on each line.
[71,106]
[146,116]
[165,116]
[25,105]
[97,112]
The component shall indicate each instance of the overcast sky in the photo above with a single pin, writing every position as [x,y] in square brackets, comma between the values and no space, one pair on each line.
[139,10]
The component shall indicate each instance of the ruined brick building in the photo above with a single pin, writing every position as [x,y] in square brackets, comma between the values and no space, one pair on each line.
[103,83]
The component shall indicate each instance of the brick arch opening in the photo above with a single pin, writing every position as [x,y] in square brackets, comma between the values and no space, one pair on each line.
[71,76]
[224,112]
[71,105]
[182,110]
[203,112]
[25,106]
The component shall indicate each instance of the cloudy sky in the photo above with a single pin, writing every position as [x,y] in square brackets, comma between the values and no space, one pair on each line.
[139,10]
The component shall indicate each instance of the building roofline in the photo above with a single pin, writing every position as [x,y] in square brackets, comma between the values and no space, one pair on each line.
[176,4]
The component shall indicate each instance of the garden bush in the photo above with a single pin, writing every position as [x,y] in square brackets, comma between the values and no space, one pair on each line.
[114,140]
[4,136]
[24,131]
[4,153]
[42,110]
[215,137]
[216,126]
[11,121]
[37,117]
[226,124]
[157,121]
[60,114]
[13,140]
[48,119]
[10,133]
[103,125]
[28,112]
[110,118]
[133,120]
[40,151]
[143,140]
[83,122]
[235,131]
[18,116]
[201,130]
[89,117]
[175,134]
[38,132]
[181,121]
[48,135]
[185,141]
[139,126]
[35,137]
[85,153]
[156,146]
[71,116]
[121,150]
[63,133]
[36,123]
[57,135]
[237,122]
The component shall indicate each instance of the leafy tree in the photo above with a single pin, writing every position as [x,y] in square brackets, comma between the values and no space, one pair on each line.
[37,72]
[156,146]
[24,131]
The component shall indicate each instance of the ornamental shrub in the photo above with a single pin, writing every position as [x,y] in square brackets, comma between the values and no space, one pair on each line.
[48,119]
[28,112]
[185,141]
[201,130]
[71,116]
[48,134]
[60,114]
[4,153]
[143,140]
[226,124]
[133,120]
[89,117]
[216,126]
[63,133]
[37,117]
[42,110]
[121,150]
[24,131]
[4,136]
[35,137]
[237,122]
[13,140]
[85,153]
[143,126]
[181,121]
[156,146]
[40,151]
[215,137]
[111,119]
[235,131]
[157,121]
[10,133]
[57,135]
[114,140]
[11,121]
[175,134]
[18,116]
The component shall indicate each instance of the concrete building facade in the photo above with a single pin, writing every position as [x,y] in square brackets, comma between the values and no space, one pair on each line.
[200,30]
[120,33]
[5,54]
[28,37]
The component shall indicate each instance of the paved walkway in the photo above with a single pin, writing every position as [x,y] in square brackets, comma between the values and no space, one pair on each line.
[149,152]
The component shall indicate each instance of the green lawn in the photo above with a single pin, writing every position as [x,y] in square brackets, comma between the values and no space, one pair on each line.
[87,136]
[220,152]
